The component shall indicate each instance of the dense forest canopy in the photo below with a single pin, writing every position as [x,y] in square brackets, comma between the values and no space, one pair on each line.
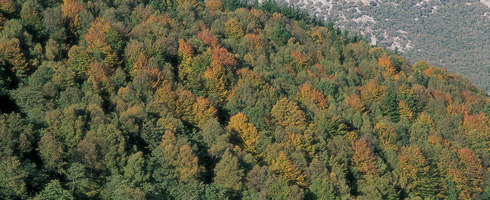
[187,99]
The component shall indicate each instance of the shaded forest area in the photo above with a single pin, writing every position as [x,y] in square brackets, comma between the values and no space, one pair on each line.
[185,99]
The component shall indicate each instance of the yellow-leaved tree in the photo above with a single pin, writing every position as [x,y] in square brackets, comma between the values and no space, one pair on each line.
[283,166]
[288,114]
[240,126]
[186,55]
[233,28]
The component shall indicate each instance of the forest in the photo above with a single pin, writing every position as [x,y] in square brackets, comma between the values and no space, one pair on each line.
[217,99]
[453,34]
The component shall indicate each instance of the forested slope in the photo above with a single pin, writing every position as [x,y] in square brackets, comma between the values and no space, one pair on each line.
[135,99]
[454,34]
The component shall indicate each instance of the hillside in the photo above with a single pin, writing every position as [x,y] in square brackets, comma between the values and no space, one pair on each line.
[454,34]
[147,99]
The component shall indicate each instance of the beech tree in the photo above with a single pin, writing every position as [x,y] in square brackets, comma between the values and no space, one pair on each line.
[364,158]
[246,131]
[288,114]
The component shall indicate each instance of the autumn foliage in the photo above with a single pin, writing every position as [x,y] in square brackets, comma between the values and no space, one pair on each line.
[355,102]
[284,167]
[214,5]
[288,114]
[233,29]
[240,126]
[386,64]
[307,93]
[372,92]
[187,99]
[71,13]
[364,158]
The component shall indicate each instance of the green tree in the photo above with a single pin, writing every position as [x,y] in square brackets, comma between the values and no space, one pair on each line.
[228,172]
[390,101]
[54,191]
[12,177]
[280,35]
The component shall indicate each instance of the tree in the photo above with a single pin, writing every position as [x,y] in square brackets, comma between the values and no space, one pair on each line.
[103,42]
[417,177]
[228,172]
[181,3]
[283,166]
[187,164]
[355,102]
[280,35]
[364,158]
[52,152]
[204,110]
[214,5]
[288,114]
[372,92]
[186,55]
[207,37]
[323,187]
[233,29]
[79,60]
[130,185]
[404,110]
[71,14]
[12,177]
[54,191]
[216,82]
[7,6]
[307,93]
[390,101]
[11,55]
[78,180]
[254,41]
[231,5]
[469,176]
[387,135]
[279,190]
[300,61]
[386,64]
[221,56]
[246,131]
[31,16]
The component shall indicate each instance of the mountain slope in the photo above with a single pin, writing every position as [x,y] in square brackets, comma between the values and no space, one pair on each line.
[454,34]
[209,100]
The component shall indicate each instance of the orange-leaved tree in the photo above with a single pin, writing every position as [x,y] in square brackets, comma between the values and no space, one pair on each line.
[70,12]
[221,56]
[355,102]
[308,93]
[364,158]
[386,64]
